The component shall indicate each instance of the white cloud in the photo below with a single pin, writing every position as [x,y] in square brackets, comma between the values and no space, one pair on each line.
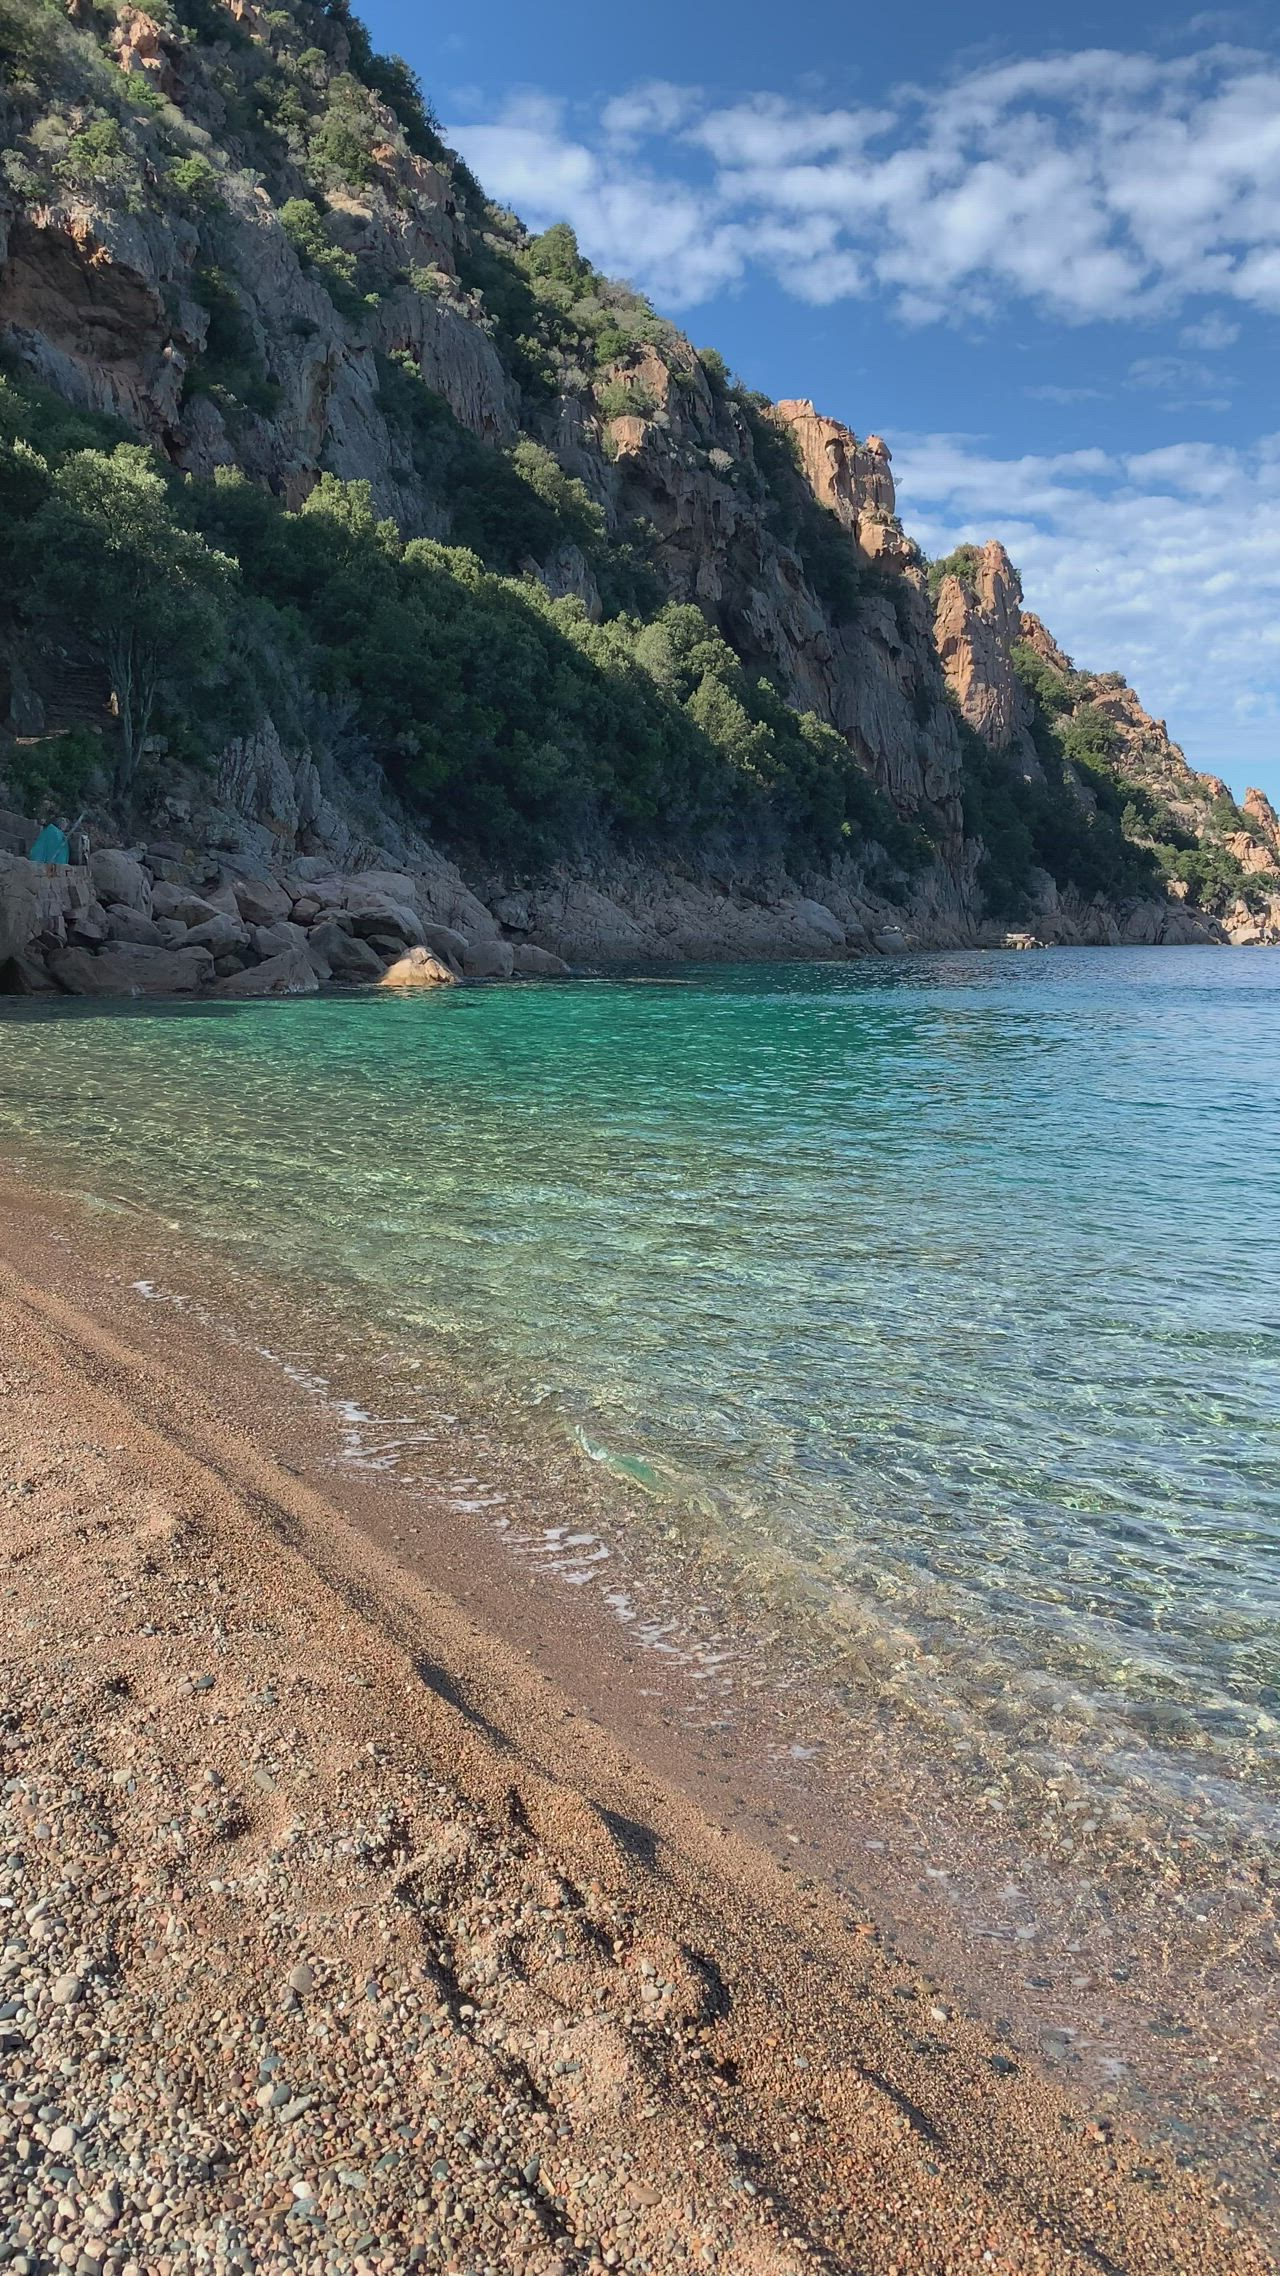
[1186,386]
[1050,392]
[1093,185]
[665,233]
[1212,332]
[657,107]
[1164,565]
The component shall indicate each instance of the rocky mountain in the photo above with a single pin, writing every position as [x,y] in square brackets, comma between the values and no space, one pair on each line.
[349,528]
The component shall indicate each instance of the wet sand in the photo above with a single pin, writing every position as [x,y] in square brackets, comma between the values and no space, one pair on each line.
[288,1816]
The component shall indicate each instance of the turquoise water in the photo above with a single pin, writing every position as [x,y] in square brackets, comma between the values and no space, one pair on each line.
[941,1291]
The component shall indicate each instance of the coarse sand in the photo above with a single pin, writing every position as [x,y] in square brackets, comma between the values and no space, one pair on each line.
[335,1940]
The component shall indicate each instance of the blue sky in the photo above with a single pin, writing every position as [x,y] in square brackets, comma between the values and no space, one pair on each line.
[1044,264]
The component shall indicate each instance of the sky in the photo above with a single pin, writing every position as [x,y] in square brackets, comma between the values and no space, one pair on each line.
[1037,250]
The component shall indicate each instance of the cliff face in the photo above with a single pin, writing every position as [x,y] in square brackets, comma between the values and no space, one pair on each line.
[235,230]
[977,625]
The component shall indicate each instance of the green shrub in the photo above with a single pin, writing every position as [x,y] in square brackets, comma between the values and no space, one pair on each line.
[1213,877]
[213,22]
[626,399]
[1090,741]
[716,369]
[1225,817]
[341,151]
[196,183]
[962,565]
[563,494]
[230,364]
[332,264]
[32,33]
[98,159]
[506,506]
[1046,686]
[54,775]
[399,85]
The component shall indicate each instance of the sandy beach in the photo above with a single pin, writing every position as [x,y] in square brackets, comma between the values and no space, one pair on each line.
[339,1938]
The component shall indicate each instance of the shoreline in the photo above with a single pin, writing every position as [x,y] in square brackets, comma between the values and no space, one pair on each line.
[944,2095]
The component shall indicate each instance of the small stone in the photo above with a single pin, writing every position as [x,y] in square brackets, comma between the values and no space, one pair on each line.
[301,1978]
[66,1991]
[62,2140]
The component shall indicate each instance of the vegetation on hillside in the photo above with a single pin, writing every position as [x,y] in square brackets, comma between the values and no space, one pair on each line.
[1106,832]
[519,728]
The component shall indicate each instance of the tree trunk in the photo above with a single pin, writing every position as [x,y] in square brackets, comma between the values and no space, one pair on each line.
[134,672]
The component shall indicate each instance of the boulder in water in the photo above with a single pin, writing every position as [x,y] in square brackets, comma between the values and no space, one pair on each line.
[418,968]
[538,963]
[489,960]
[292,974]
[124,969]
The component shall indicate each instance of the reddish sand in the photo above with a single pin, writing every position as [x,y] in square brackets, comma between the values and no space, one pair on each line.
[289,1819]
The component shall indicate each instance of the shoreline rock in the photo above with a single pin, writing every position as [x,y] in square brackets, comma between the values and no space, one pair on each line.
[418,968]
[305,925]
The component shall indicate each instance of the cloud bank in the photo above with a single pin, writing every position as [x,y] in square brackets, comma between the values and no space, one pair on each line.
[1163,564]
[1095,185]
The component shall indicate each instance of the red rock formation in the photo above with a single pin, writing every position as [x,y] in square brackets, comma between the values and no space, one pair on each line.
[140,46]
[1261,812]
[1036,636]
[977,626]
[853,480]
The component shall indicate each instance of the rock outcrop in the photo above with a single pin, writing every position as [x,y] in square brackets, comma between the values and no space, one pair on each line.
[853,480]
[1261,814]
[977,623]
[418,968]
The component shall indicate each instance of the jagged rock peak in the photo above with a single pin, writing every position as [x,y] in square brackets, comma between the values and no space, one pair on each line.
[1260,811]
[978,623]
[1037,636]
[854,480]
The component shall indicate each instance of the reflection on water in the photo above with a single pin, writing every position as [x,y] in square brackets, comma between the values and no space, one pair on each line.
[939,1294]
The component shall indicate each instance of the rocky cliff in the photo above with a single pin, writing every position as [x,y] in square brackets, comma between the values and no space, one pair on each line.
[532,593]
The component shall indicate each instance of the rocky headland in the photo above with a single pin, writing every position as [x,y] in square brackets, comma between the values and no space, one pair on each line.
[360,543]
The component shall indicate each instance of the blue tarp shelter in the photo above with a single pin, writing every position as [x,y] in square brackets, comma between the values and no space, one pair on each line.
[52,846]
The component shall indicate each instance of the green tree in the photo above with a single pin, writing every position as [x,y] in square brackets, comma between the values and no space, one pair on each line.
[962,565]
[333,264]
[197,183]
[146,594]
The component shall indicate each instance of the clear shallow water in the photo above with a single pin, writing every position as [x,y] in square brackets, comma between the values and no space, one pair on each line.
[942,1293]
